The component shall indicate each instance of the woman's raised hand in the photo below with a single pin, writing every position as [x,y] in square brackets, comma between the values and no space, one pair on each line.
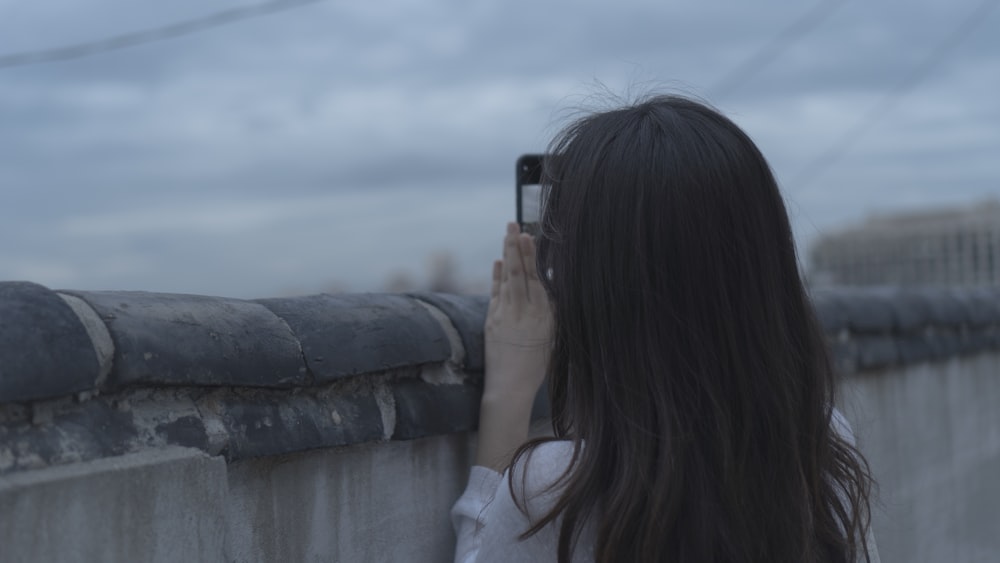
[518,342]
[518,323]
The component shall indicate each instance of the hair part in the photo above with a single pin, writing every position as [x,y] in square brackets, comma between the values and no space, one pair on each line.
[686,355]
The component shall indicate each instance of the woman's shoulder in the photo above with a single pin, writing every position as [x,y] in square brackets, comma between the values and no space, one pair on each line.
[842,426]
[544,460]
[537,475]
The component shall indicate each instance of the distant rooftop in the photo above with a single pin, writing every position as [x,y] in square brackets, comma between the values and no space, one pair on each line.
[925,220]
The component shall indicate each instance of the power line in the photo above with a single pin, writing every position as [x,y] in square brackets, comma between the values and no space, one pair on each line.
[771,50]
[837,150]
[132,39]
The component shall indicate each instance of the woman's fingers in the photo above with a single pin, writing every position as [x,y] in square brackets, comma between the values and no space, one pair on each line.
[528,257]
[508,240]
[514,264]
[515,278]
[534,290]
[511,252]
[497,276]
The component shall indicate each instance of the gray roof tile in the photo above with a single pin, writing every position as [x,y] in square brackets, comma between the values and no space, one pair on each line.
[172,339]
[346,335]
[45,350]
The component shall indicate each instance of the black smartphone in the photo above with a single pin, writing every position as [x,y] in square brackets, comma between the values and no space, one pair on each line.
[529,192]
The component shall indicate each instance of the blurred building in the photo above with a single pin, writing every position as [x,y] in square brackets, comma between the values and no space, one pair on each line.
[941,247]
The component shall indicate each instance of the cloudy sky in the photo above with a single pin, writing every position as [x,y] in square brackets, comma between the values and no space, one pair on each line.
[340,144]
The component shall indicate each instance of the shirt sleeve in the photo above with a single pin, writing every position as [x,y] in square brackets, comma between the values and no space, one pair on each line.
[488,521]
[468,514]
[843,428]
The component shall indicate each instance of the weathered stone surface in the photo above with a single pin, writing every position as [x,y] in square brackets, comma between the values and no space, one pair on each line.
[984,307]
[877,351]
[970,339]
[976,339]
[424,409]
[945,308]
[263,423]
[66,432]
[212,373]
[239,422]
[383,504]
[868,311]
[991,335]
[467,314]
[832,313]
[98,333]
[44,348]
[929,432]
[346,335]
[187,431]
[910,310]
[157,506]
[943,341]
[891,326]
[913,348]
[844,355]
[169,339]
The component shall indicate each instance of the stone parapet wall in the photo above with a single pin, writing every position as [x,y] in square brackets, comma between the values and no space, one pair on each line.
[882,327]
[85,375]
[323,419]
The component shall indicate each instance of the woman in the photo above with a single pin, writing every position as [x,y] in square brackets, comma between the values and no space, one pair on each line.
[691,391]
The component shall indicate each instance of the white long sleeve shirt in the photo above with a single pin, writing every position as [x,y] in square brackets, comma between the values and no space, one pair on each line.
[488,523]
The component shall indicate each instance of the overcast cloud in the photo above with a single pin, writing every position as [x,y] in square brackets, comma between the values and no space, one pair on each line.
[341,143]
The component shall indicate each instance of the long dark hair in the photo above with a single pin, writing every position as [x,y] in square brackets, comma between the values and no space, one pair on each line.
[686,356]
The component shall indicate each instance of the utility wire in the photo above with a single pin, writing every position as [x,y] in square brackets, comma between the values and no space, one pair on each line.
[771,50]
[132,39]
[837,150]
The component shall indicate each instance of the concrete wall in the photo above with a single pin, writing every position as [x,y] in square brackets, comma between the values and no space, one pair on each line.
[386,502]
[147,427]
[160,505]
[931,432]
